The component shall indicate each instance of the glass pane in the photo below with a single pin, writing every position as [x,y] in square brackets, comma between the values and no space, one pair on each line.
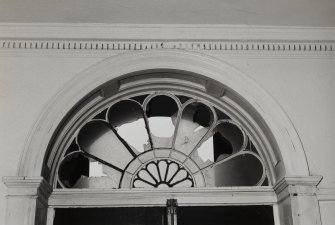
[72,168]
[226,215]
[242,170]
[108,216]
[227,140]
[162,111]
[195,215]
[127,118]
[230,136]
[195,122]
[99,140]
[154,141]
[78,171]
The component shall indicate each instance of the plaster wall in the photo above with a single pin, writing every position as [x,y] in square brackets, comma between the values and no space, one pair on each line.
[303,86]
[327,212]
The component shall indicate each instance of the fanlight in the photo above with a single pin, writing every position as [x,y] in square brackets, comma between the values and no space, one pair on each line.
[160,140]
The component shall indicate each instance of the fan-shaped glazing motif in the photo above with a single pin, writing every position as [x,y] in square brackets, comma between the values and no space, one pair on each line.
[160,140]
[163,173]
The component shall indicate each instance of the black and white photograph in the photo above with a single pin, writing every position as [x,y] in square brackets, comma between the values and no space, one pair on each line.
[167,112]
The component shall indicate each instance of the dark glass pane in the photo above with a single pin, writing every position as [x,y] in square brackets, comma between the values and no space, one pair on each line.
[231,133]
[72,148]
[221,115]
[205,215]
[101,115]
[72,168]
[162,105]
[124,112]
[108,216]
[226,215]
[266,182]
[221,146]
[162,111]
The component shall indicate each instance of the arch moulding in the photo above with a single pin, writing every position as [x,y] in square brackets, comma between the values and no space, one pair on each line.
[285,138]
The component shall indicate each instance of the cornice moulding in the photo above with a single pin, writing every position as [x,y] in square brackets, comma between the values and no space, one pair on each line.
[29,187]
[326,194]
[307,181]
[223,46]
[296,185]
[134,37]
[84,31]
[22,182]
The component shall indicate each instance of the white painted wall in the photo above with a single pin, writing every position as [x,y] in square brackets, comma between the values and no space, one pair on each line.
[305,90]
[26,85]
[302,85]
[327,209]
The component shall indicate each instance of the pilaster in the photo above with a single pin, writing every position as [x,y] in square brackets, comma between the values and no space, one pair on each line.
[297,200]
[27,200]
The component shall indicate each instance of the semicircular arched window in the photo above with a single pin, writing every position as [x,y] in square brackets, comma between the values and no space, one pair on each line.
[160,140]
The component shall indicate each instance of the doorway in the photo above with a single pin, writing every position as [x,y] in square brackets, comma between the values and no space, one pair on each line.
[190,215]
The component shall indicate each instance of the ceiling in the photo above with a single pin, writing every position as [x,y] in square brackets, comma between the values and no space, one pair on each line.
[315,13]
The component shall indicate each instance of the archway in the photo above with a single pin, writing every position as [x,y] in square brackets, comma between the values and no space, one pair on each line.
[258,102]
[249,102]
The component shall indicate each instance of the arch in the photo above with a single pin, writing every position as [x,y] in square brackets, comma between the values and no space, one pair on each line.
[281,132]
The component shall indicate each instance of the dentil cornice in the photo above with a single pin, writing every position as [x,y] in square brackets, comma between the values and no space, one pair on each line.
[132,37]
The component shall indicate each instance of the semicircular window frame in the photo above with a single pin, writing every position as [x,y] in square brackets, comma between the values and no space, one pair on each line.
[193,124]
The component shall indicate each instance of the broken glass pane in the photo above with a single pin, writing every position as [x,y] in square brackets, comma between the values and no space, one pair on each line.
[98,140]
[227,139]
[161,111]
[72,168]
[245,169]
[195,122]
[160,144]
[127,118]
